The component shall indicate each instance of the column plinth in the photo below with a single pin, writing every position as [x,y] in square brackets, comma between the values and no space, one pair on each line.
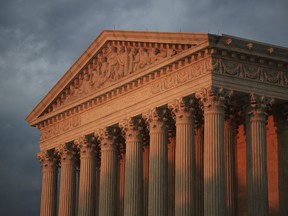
[49,165]
[158,161]
[184,158]
[108,175]
[87,183]
[213,100]
[67,180]
[133,200]
[257,182]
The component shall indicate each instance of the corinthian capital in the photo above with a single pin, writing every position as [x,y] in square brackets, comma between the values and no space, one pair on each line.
[48,160]
[182,108]
[214,97]
[67,152]
[86,148]
[132,128]
[106,138]
[259,105]
[156,118]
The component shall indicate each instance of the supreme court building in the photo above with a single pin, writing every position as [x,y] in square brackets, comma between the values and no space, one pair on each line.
[167,124]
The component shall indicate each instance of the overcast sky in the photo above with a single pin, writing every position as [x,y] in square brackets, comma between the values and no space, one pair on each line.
[40,40]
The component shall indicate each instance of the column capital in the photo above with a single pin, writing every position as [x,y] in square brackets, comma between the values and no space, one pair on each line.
[106,137]
[214,97]
[66,152]
[131,128]
[258,106]
[182,109]
[48,159]
[156,118]
[85,147]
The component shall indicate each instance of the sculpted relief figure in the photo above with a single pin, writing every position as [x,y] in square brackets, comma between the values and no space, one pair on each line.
[111,64]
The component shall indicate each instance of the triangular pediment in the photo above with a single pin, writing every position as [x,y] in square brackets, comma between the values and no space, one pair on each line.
[112,57]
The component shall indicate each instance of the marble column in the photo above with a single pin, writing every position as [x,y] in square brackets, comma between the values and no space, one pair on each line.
[122,165]
[108,176]
[49,165]
[133,199]
[67,193]
[184,158]
[158,163]
[171,171]
[87,183]
[257,183]
[230,129]
[145,175]
[199,170]
[97,177]
[281,123]
[213,100]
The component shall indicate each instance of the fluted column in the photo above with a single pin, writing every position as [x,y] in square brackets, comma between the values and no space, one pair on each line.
[199,170]
[230,155]
[213,100]
[49,165]
[281,123]
[108,175]
[87,183]
[184,158]
[67,180]
[133,199]
[257,184]
[97,179]
[171,171]
[157,202]
[145,175]
[122,164]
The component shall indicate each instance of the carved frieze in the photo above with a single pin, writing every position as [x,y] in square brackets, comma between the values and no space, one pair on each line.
[111,64]
[60,127]
[249,71]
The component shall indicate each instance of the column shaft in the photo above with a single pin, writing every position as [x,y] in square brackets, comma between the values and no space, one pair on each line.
[67,182]
[185,166]
[49,184]
[145,179]
[199,157]
[171,174]
[133,200]
[108,178]
[121,184]
[87,183]
[97,189]
[230,154]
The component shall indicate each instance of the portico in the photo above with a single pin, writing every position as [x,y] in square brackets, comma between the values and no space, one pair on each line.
[155,122]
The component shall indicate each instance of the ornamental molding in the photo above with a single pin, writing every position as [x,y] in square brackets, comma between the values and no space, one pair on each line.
[250,71]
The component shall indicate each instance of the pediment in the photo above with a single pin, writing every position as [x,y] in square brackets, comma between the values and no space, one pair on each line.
[113,57]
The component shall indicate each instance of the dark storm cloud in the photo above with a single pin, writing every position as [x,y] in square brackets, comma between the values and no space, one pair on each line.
[39,40]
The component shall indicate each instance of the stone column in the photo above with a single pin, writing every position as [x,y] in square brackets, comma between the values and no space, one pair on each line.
[213,100]
[184,158]
[281,123]
[122,159]
[171,171]
[87,183]
[199,169]
[133,199]
[145,174]
[257,183]
[230,128]
[49,165]
[67,180]
[97,177]
[158,161]
[108,176]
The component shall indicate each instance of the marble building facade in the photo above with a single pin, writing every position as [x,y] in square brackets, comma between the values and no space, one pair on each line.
[157,124]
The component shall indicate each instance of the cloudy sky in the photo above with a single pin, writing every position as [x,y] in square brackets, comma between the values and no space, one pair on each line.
[39,40]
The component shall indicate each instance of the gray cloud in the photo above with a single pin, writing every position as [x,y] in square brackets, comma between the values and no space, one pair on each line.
[40,40]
